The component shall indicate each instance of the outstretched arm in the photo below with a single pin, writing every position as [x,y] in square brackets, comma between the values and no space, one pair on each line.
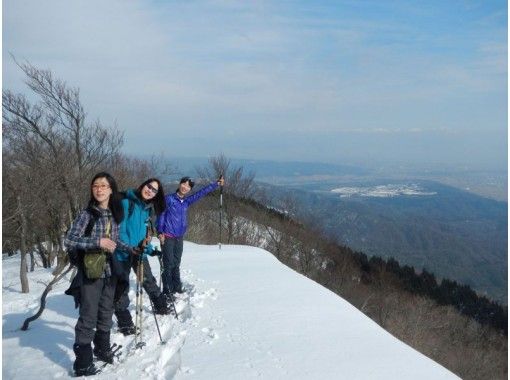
[202,192]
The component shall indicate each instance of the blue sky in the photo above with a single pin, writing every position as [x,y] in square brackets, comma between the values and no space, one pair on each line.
[332,81]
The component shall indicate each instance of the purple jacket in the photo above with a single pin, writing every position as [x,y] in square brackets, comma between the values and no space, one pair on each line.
[173,220]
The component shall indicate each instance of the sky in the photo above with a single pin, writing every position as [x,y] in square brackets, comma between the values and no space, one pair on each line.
[330,81]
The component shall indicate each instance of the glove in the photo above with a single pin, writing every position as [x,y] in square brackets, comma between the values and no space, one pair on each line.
[148,250]
[135,251]
[155,252]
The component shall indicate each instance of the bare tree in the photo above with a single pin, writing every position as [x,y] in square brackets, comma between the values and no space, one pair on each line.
[238,183]
[238,186]
[50,152]
[74,149]
[18,210]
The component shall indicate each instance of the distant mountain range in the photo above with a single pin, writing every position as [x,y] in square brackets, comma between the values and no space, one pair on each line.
[487,183]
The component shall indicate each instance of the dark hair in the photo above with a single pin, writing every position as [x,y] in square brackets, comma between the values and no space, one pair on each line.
[159,199]
[187,179]
[114,202]
[184,180]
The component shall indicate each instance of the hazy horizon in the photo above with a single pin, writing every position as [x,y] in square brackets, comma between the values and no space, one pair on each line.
[336,82]
[355,163]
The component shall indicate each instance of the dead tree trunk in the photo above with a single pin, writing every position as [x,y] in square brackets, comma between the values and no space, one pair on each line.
[43,253]
[32,261]
[23,248]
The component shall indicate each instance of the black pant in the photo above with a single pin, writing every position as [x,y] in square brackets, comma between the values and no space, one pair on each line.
[149,285]
[172,253]
[96,308]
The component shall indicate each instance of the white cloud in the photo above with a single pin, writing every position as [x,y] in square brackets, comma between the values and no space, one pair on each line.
[267,65]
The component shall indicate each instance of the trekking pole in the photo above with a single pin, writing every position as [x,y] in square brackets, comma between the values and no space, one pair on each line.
[139,343]
[137,305]
[221,207]
[160,273]
[156,320]
[161,269]
[142,343]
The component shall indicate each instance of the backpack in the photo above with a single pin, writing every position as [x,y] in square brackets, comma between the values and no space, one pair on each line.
[131,207]
[75,254]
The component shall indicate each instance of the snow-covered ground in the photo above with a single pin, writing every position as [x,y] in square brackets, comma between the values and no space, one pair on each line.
[248,316]
[383,191]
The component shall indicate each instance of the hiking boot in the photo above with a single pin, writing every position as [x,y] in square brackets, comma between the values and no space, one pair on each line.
[89,371]
[179,290]
[125,322]
[83,365]
[161,305]
[102,348]
[127,330]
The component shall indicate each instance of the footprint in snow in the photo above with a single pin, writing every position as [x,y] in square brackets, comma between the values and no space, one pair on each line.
[212,293]
[187,370]
[211,334]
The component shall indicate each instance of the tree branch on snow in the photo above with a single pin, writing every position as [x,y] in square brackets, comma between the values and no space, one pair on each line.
[58,276]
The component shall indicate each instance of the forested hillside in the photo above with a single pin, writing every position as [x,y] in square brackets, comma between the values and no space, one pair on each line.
[452,233]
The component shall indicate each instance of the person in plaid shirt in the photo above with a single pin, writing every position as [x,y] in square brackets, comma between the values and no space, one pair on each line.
[95,296]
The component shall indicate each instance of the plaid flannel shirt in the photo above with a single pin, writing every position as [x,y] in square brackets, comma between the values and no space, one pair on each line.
[75,239]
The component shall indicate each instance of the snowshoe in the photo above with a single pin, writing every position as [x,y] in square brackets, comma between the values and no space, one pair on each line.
[88,371]
[169,297]
[105,355]
[102,348]
[115,352]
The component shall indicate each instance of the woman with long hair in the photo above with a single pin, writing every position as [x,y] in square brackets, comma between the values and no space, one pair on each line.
[140,206]
[94,236]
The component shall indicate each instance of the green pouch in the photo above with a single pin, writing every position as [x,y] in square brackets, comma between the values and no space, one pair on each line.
[94,264]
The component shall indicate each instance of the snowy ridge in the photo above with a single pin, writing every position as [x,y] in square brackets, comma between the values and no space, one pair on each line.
[246,316]
[383,191]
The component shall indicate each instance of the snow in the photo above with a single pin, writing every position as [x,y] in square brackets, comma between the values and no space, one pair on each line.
[382,191]
[247,316]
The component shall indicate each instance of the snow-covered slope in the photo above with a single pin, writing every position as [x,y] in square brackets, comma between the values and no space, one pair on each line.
[248,316]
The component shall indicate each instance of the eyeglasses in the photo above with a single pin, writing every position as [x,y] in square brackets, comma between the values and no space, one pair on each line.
[152,188]
[100,187]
